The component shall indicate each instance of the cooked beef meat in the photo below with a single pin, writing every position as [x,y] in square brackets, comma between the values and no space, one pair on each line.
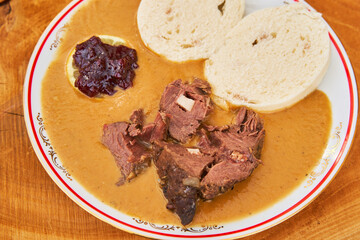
[186,105]
[125,142]
[145,135]
[180,170]
[225,154]
[137,120]
[226,173]
[137,117]
[202,87]
[236,149]
[160,130]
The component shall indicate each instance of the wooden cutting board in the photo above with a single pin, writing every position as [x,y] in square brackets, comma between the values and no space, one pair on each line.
[33,207]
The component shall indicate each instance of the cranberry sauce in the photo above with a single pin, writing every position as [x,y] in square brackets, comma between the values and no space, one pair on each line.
[102,67]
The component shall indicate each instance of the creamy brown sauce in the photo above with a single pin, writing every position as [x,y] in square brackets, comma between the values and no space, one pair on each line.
[294,143]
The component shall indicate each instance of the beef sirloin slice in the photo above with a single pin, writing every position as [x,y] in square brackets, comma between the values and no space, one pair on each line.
[187,105]
[124,140]
[180,170]
[236,149]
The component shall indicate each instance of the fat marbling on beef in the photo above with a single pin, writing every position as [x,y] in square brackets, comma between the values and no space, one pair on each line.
[186,105]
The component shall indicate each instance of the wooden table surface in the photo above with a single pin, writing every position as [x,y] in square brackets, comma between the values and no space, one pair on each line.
[33,207]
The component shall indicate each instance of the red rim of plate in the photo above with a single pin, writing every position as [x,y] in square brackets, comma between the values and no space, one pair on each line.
[336,162]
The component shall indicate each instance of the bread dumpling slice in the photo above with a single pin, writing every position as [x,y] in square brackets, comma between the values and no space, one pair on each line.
[182,30]
[272,59]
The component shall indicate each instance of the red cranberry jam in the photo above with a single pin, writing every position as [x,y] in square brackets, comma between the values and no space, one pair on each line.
[102,67]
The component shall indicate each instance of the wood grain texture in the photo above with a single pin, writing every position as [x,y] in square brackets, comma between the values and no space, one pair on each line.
[33,207]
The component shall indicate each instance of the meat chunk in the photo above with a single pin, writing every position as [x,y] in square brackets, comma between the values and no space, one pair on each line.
[137,117]
[225,155]
[186,105]
[125,142]
[137,121]
[180,170]
[236,149]
[160,130]
[226,173]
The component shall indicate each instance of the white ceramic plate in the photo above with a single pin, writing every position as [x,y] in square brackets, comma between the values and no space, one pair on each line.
[339,84]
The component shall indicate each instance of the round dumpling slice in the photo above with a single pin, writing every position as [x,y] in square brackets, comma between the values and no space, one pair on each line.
[272,59]
[182,30]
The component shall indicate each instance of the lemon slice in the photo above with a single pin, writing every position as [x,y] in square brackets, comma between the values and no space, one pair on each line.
[72,72]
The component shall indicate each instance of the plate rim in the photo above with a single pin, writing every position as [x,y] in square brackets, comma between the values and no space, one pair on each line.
[302,203]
